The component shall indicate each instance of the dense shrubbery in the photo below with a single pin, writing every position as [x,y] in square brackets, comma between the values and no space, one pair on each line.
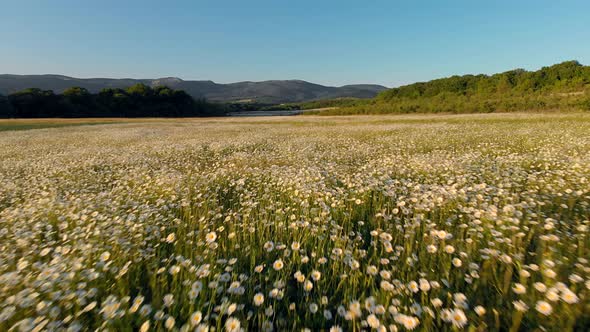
[136,101]
[5,107]
[564,77]
[564,86]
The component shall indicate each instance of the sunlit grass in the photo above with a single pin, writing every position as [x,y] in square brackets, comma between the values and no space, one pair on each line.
[27,124]
[356,223]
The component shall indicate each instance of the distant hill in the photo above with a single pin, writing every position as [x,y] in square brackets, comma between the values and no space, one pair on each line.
[274,92]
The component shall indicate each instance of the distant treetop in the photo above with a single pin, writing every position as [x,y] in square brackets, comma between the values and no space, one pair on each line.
[569,75]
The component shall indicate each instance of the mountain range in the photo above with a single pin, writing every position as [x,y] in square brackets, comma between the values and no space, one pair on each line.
[273,92]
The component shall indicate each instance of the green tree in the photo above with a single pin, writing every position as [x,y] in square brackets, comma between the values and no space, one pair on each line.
[35,103]
[6,109]
[139,89]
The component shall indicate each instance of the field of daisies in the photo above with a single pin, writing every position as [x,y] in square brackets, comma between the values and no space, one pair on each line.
[424,223]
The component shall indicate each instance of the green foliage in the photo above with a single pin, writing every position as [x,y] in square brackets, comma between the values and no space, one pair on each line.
[137,101]
[6,109]
[339,102]
[35,102]
[558,87]
[140,90]
[566,76]
[76,92]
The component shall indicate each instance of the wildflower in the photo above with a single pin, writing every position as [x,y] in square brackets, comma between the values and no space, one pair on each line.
[413,286]
[520,306]
[231,308]
[269,311]
[575,278]
[518,289]
[45,252]
[316,275]
[372,270]
[211,237]
[202,328]
[171,237]
[539,286]
[544,308]
[549,273]
[169,323]
[552,294]
[307,285]
[105,256]
[168,300]
[300,277]
[269,246]
[506,259]
[458,318]
[479,310]
[373,321]
[424,285]
[174,269]
[460,300]
[408,322]
[258,299]
[355,309]
[159,315]
[436,302]
[145,326]
[232,325]
[278,265]
[313,308]
[569,297]
[195,318]
[145,310]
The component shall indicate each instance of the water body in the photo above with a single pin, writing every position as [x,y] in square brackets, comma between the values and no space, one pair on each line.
[266,113]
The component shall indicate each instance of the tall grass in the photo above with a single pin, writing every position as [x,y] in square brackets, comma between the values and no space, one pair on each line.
[388,223]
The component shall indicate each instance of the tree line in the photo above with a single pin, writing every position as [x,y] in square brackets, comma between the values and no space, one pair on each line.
[564,86]
[566,76]
[138,100]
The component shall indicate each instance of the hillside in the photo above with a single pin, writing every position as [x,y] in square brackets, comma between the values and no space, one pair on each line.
[272,92]
[562,86]
[566,76]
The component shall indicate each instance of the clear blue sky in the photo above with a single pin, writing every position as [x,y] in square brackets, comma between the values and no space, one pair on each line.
[328,42]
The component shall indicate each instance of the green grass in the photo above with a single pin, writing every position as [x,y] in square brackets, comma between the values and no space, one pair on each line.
[9,125]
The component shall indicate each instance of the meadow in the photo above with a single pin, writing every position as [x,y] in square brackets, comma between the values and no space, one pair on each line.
[386,223]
